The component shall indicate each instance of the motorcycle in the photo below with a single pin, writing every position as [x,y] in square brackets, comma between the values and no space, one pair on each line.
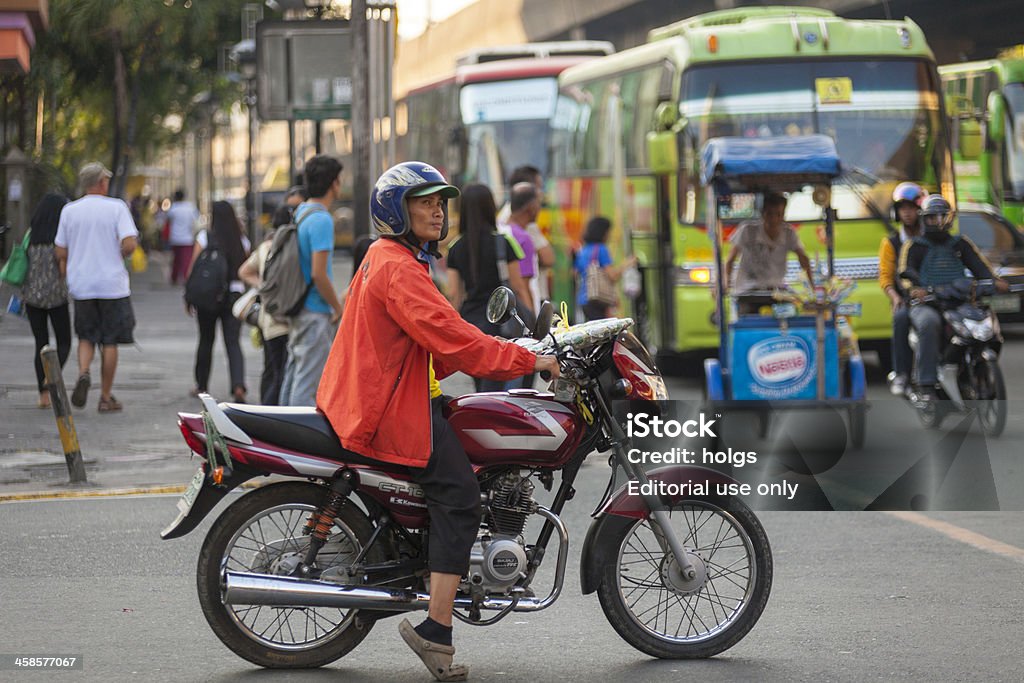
[295,574]
[969,374]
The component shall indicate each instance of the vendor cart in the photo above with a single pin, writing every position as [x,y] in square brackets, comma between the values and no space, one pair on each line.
[799,352]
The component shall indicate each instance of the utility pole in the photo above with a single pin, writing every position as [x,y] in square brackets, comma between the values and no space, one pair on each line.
[362,134]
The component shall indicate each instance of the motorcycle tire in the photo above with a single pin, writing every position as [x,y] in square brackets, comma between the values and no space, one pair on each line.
[292,501]
[737,535]
[991,390]
[933,414]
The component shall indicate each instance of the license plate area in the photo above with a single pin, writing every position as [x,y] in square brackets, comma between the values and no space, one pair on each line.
[188,498]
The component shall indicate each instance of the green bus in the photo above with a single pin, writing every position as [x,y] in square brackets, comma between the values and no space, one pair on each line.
[628,130]
[986,101]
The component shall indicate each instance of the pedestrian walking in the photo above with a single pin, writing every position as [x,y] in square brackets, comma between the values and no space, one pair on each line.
[181,221]
[474,265]
[273,332]
[596,293]
[312,330]
[94,236]
[544,254]
[225,235]
[44,292]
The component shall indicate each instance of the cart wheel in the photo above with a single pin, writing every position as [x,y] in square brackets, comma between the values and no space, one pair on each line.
[858,425]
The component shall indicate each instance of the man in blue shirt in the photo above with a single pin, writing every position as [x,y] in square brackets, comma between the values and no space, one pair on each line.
[312,330]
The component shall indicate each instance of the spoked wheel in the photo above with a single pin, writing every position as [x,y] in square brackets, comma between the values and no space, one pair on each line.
[262,533]
[991,398]
[658,611]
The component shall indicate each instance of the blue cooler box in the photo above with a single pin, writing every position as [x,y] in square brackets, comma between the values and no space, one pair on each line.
[768,364]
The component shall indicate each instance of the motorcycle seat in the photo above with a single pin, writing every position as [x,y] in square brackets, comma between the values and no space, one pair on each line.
[305,430]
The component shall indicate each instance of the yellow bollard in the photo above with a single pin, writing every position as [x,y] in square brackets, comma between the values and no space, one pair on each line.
[62,409]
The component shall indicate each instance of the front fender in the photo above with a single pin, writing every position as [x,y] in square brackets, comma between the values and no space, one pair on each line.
[209,495]
[623,509]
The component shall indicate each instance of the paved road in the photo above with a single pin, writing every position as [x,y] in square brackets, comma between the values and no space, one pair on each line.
[857,596]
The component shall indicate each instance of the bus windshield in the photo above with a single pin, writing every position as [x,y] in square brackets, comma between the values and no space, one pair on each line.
[883,115]
[507,126]
[1014,94]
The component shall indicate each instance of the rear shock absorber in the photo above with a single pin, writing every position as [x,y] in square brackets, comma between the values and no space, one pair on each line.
[320,521]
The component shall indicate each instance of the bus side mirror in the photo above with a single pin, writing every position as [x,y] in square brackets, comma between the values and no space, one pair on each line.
[662,148]
[969,138]
[996,120]
[662,152]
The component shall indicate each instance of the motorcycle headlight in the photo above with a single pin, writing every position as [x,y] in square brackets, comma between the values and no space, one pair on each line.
[981,330]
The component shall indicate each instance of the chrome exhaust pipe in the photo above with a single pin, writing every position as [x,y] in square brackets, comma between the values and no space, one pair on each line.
[241,588]
[287,591]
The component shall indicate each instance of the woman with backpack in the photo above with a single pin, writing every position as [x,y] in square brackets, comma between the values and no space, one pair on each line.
[44,290]
[212,286]
[597,294]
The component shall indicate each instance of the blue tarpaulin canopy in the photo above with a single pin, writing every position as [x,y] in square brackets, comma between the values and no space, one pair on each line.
[774,163]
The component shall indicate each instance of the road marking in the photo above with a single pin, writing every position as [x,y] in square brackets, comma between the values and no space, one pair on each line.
[962,535]
[101,493]
[94,493]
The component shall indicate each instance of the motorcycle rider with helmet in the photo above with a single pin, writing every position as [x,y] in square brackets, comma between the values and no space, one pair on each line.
[906,207]
[938,258]
[398,336]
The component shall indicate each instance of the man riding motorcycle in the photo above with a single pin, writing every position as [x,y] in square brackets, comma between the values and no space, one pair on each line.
[380,390]
[906,207]
[938,258]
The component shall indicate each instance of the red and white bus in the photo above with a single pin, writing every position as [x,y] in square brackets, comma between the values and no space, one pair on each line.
[492,113]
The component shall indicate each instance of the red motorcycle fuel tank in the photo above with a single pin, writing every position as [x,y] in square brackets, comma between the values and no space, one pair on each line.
[518,426]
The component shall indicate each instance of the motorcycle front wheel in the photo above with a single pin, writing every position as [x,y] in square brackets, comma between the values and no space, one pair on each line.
[262,533]
[654,609]
[991,393]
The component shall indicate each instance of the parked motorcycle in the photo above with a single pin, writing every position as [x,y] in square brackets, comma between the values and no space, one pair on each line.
[295,574]
[969,373]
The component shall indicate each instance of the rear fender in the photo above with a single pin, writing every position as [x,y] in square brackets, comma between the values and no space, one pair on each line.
[209,495]
[624,510]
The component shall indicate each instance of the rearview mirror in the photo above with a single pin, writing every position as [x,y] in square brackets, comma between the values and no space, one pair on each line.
[543,325]
[501,306]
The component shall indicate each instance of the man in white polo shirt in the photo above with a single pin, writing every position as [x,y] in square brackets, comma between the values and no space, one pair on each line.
[94,236]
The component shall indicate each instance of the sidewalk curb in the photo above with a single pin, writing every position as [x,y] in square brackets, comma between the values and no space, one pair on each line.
[103,493]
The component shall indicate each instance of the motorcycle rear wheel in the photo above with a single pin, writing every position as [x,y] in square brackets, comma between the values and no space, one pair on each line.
[260,533]
[991,393]
[735,561]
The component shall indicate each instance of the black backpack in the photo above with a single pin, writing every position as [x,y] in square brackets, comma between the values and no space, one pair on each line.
[207,285]
[284,289]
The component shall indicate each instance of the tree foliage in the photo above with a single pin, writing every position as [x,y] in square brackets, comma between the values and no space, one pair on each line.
[112,73]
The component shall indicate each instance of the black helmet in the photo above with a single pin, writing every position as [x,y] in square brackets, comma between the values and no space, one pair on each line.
[936,214]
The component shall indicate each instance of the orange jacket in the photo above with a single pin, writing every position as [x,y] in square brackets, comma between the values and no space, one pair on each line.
[374,390]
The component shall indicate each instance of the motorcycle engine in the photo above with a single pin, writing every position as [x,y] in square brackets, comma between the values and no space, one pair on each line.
[499,557]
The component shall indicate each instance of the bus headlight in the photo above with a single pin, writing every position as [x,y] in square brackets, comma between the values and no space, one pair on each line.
[694,275]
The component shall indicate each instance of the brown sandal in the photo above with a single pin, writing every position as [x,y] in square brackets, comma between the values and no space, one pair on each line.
[436,657]
[109,405]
